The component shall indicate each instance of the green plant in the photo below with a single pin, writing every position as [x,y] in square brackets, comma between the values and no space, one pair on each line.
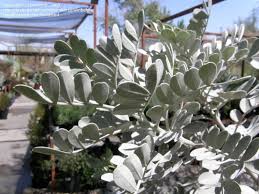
[83,171]
[68,116]
[160,109]
[38,135]
[2,78]
[38,126]
[5,100]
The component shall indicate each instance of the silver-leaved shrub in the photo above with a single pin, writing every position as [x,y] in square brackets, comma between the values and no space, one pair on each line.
[171,108]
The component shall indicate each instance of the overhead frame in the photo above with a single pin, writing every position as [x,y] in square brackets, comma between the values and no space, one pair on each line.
[92,6]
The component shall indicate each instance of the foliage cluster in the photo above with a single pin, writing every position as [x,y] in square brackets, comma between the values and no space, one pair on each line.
[78,173]
[171,109]
[68,116]
[38,136]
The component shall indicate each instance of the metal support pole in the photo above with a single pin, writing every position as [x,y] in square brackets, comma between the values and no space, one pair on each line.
[187,11]
[106,18]
[49,109]
[95,25]
[27,53]
[53,167]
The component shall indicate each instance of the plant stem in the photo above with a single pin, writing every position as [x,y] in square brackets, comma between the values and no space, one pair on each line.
[166,118]
[117,71]
[135,61]
[91,102]
[216,116]
[219,122]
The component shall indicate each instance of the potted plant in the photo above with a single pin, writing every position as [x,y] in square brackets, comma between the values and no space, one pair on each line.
[169,115]
[6,100]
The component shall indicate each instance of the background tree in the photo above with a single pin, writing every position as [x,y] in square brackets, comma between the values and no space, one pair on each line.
[251,28]
[250,22]
[130,8]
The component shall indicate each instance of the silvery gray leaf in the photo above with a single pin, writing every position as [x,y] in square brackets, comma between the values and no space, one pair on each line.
[178,85]
[67,86]
[50,85]
[128,44]
[103,70]
[155,113]
[231,187]
[60,138]
[117,37]
[124,178]
[131,30]
[209,178]
[154,75]
[231,143]
[251,150]
[134,165]
[101,92]
[91,132]
[132,90]
[125,72]
[208,73]
[228,53]
[235,115]
[83,86]
[192,78]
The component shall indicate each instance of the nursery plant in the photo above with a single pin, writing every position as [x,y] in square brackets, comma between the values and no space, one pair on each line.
[171,107]
[68,116]
[73,173]
[5,102]
[6,97]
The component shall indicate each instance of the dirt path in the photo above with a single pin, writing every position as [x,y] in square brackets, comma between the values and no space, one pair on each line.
[14,148]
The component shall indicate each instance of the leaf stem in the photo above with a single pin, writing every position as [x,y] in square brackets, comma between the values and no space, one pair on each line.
[218,121]
[166,118]
[135,61]
[117,71]
[91,102]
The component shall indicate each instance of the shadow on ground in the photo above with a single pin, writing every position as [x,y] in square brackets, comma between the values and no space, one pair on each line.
[18,172]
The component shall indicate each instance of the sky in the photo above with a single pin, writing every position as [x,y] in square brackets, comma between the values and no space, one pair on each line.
[223,15]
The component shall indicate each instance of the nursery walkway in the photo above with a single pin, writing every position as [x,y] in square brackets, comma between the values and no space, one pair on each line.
[14,148]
